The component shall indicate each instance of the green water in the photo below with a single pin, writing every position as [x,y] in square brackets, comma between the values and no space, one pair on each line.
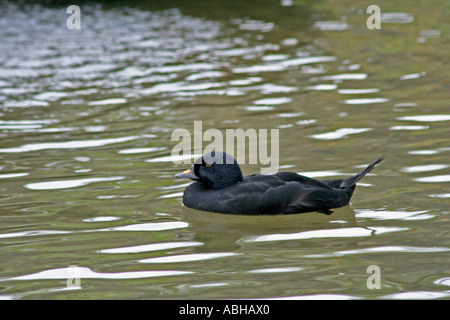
[86,174]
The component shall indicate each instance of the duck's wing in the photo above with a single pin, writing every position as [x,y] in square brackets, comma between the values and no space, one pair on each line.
[272,195]
[317,195]
[313,198]
[258,197]
[292,176]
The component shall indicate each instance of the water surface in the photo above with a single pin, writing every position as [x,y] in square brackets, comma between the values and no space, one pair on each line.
[86,173]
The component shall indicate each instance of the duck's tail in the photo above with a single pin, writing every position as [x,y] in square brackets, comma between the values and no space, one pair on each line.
[350,182]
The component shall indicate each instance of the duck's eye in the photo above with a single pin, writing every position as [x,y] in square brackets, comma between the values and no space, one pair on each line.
[208,164]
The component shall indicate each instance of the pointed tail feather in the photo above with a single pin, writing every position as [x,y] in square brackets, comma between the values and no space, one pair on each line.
[349,182]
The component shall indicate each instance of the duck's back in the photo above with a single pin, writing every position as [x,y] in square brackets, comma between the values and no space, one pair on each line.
[284,192]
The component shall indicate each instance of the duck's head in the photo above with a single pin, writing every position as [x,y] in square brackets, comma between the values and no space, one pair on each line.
[216,170]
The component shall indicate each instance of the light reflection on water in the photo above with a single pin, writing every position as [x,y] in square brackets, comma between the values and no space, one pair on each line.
[330,233]
[86,273]
[86,168]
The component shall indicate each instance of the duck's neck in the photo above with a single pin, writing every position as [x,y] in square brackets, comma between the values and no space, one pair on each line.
[227,180]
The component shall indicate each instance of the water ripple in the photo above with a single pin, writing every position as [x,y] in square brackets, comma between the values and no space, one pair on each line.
[273,101]
[67,184]
[331,25]
[412,76]
[73,144]
[441,178]
[425,168]
[31,233]
[190,257]
[255,25]
[417,295]
[107,102]
[322,87]
[340,133]
[440,195]
[358,91]
[276,270]
[397,17]
[326,233]
[384,249]
[13,175]
[394,128]
[102,219]
[153,247]
[86,273]
[150,226]
[141,150]
[393,215]
[426,118]
[366,101]
[343,76]
[177,87]
[319,296]
[283,64]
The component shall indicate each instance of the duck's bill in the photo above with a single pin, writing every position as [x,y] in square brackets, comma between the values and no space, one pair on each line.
[188,174]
